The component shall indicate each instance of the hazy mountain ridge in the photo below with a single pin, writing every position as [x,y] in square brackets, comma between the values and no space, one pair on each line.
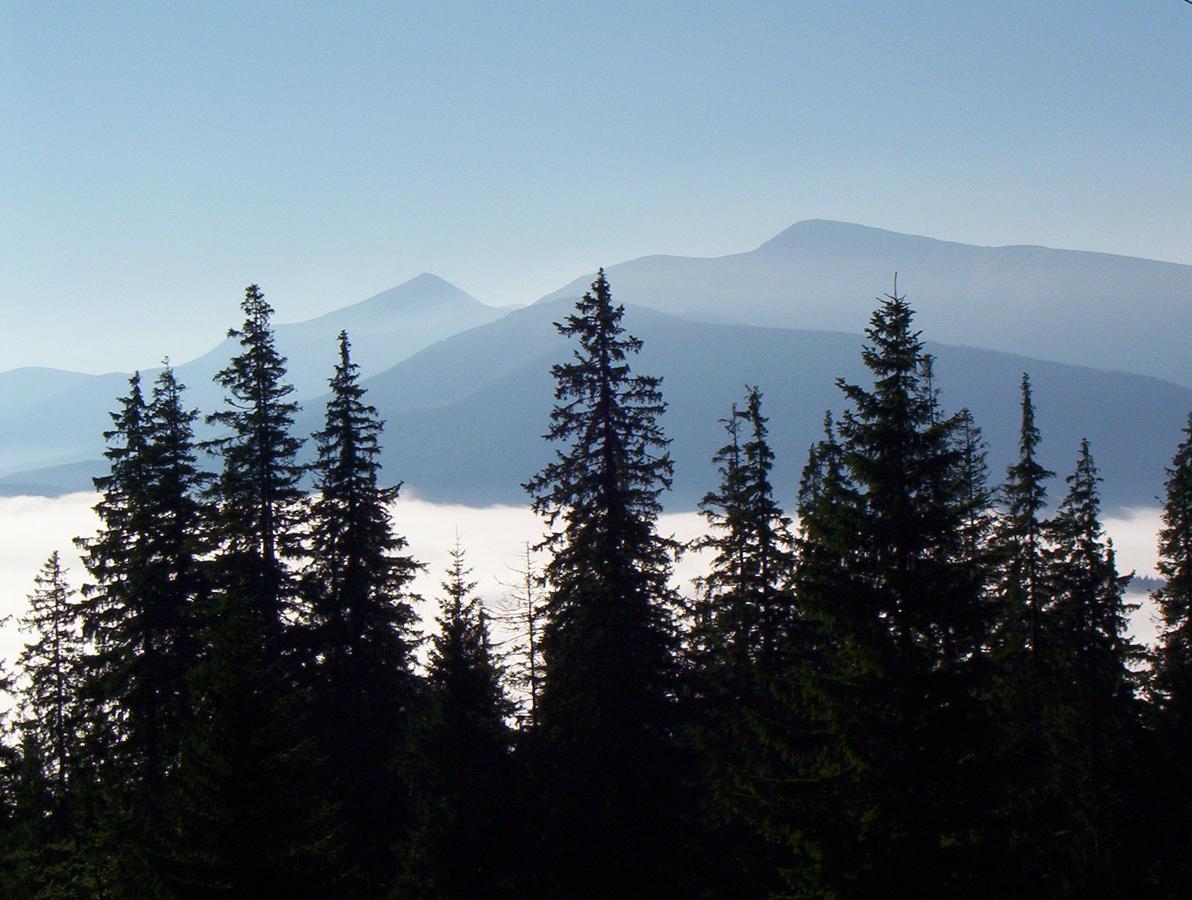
[51,417]
[475,436]
[466,387]
[59,427]
[36,384]
[1073,306]
[466,415]
[384,329]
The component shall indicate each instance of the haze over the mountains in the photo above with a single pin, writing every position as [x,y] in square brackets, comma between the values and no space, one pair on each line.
[385,329]
[466,387]
[466,415]
[1091,309]
[57,418]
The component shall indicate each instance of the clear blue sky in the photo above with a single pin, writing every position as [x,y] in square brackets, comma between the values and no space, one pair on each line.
[158,156]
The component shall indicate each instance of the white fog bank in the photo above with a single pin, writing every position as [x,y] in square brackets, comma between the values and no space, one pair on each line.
[31,528]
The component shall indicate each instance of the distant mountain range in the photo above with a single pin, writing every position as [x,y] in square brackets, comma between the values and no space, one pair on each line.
[465,416]
[1089,309]
[466,387]
[51,418]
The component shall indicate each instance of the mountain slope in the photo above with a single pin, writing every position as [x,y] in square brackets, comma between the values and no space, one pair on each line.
[465,416]
[1092,309]
[49,417]
[35,384]
[60,427]
[384,330]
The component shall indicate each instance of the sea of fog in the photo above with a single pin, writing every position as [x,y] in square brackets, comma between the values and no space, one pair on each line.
[494,539]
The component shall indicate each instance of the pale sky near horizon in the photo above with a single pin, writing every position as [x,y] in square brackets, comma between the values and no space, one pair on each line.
[157,157]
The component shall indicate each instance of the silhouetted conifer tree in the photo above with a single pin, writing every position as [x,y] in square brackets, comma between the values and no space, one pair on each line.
[1173,666]
[139,614]
[357,634]
[115,557]
[889,579]
[249,812]
[741,642]
[1019,544]
[460,846]
[1173,674]
[51,665]
[259,498]
[747,591]
[1022,824]
[606,716]
[1090,714]
[53,779]
[794,799]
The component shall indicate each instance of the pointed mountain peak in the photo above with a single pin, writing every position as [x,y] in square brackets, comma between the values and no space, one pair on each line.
[428,280]
[426,288]
[422,293]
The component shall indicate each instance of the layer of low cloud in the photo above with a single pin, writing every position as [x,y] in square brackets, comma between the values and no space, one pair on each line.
[494,539]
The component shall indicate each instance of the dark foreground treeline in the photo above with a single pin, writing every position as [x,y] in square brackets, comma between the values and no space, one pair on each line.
[926,689]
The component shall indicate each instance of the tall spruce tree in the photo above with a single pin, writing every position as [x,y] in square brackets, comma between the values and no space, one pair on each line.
[747,590]
[890,581]
[249,816]
[1173,673]
[1090,714]
[48,855]
[116,557]
[259,498]
[51,666]
[140,614]
[123,657]
[798,802]
[741,637]
[180,546]
[1019,544]
[1173,665]
[357,633]
[1022,826]
[460,846]
[606,716]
